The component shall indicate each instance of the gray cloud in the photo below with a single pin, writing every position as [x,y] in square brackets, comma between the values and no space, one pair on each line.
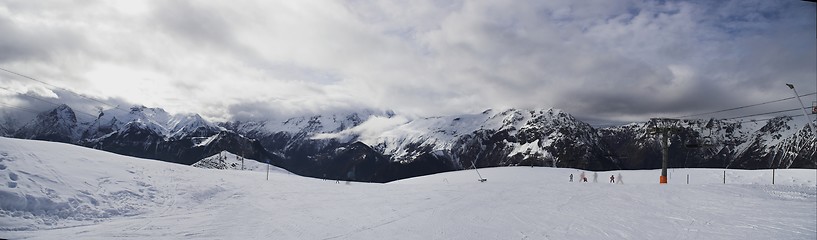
[34,44]
[600,60]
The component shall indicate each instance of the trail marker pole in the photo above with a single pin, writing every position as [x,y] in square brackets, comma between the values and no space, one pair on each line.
[475,169]
[724,177]
[687,178]
[772,176]
[664,156]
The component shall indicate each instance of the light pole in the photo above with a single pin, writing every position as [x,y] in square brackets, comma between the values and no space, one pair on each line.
[813,127]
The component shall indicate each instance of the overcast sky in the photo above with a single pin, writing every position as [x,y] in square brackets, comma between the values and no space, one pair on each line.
[599,60]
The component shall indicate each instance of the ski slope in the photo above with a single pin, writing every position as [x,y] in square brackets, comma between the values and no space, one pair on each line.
[56,191]
[227,160]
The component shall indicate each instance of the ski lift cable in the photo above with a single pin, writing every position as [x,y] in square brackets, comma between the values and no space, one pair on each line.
[61,88]
[760,114]
[764,119]
[739,117]
[747,106]
[730,118]
[46,101]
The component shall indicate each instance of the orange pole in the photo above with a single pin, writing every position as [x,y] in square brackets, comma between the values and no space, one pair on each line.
[664,155]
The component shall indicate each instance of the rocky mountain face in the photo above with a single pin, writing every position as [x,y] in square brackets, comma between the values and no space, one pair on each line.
[58,125]
[141,132]
[776,143]
[382,146]
[502,138]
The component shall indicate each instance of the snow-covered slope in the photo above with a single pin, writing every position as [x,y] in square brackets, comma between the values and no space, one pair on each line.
[55,190]
[228,161]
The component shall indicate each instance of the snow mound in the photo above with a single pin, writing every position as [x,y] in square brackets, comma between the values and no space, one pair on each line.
[227,160]
[53,185]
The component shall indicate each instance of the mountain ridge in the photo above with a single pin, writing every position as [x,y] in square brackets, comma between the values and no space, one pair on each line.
[384,146]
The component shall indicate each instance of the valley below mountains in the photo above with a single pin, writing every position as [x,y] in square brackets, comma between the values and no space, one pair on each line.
[373,146]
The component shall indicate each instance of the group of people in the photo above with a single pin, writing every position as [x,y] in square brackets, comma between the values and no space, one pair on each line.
[583,178]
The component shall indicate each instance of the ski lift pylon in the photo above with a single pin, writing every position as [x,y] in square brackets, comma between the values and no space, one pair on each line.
[708,141]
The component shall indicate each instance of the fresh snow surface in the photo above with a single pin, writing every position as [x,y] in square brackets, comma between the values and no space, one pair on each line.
[58,191]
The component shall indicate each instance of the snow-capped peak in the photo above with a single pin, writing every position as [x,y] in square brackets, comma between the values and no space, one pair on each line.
[193,124]
[59,124]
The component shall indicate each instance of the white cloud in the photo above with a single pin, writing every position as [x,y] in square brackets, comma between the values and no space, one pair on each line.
[368,131]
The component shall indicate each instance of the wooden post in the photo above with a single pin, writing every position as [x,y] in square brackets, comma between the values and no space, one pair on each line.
[687,178]
[772,176]
[724,177]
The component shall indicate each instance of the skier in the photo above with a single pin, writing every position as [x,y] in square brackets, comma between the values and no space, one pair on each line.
[620,180]
[595,177]
[582,177]
[612,179]
[571,177]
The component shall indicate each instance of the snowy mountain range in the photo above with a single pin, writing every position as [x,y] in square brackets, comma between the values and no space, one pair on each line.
[140,132]
[377,146]
[776,143]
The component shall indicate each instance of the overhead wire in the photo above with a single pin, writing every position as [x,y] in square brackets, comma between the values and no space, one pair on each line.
[747,106]
[64,89]
[46,101]
[766,119]
[685,118]
[761,114]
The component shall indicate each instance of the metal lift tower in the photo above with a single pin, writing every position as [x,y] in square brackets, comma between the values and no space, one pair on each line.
[665,127]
